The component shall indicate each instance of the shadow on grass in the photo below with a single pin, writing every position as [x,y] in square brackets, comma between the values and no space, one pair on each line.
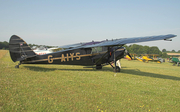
[43,69]
[148,74]
[127,71]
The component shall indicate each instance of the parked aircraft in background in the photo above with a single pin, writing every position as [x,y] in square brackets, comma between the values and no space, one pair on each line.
[145,58]
[45,51]
[174,61]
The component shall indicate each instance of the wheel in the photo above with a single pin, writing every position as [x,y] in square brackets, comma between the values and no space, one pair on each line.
[98,67]
[117,69]
[17,66]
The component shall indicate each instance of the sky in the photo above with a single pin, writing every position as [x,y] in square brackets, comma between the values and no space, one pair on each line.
[63,22]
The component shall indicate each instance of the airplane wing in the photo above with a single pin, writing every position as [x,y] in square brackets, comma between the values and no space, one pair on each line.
[117,42]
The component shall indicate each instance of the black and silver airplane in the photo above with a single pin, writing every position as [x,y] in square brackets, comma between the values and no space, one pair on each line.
[98,53]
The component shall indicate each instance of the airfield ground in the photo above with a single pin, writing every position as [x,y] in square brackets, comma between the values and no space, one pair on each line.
[139,87]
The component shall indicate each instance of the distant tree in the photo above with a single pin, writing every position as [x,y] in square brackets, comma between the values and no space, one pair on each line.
[164,50]
[139,49]
[154,50]
[4,45]
[127,47]
[178,51]
[146,50]
[31,45]
[164,55]
[173,51]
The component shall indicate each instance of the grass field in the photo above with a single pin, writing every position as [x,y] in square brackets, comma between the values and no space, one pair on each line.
[139,87]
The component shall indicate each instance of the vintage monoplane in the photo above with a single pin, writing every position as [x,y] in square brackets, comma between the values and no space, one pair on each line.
[98,53]
[174,61]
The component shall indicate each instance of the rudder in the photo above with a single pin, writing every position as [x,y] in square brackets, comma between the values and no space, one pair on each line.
[19,49]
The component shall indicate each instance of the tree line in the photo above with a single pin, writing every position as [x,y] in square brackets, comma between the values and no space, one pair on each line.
[133,49]
[4,45]
[142,50]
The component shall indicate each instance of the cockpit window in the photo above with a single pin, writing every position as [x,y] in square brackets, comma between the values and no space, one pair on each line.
[99,49]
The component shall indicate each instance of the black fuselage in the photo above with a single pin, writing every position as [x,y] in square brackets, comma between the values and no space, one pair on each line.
[86,57]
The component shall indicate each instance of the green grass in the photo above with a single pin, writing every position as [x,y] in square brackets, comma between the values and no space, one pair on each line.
[139,87]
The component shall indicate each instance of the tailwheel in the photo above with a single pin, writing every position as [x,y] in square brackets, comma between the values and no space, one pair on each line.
[17,66]
[117,69]
[98,67]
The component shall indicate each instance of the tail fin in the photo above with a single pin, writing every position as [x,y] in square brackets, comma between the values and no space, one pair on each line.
[19,49]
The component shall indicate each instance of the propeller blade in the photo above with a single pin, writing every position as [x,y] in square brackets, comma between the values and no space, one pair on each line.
[129,55]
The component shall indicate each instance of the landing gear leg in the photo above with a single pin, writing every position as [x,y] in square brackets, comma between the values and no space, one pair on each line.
[17,66]
[115,68]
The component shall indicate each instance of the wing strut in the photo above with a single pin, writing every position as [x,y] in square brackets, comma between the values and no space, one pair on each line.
[114,60]
[116,68]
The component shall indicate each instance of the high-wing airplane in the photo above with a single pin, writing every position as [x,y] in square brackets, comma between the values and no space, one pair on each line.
[98,53]
[147,59]
[174,61]
[143,59]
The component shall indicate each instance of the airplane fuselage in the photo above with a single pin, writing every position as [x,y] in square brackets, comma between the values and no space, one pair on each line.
[79,56]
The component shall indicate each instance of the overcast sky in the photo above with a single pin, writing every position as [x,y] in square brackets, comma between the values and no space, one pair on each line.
[62,22]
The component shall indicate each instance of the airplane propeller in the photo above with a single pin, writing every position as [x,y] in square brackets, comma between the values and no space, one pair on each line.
[128,54]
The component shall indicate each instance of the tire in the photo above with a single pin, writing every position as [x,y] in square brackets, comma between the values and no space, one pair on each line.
[98,67]
[17,66]
[117,69]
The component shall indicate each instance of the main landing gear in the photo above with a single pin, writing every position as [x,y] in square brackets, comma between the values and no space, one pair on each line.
[116,68]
